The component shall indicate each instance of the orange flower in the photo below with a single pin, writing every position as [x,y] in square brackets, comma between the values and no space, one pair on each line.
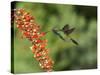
[26,23]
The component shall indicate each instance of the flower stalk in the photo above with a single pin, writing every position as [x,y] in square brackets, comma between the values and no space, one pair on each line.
[31,30]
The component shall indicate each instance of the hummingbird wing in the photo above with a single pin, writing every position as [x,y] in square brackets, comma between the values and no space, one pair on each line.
[69,31]
[65,28]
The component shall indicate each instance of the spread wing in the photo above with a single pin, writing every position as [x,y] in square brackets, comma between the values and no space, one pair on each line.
[66,27]
[69,31]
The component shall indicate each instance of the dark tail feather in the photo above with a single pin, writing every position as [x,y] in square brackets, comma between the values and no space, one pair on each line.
[74,41]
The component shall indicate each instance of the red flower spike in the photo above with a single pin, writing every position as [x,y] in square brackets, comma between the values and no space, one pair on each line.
[37,55]
[38,41]
[21,11]
[27,17]
[27,23]
[31,30]
[42,34]
[35,30]
[27,34]
[33,50]
[45,52]
[42,46]
[19,26]
[35,36]
[35,47]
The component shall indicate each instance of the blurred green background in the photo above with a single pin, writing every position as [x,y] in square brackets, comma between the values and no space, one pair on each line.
[66,55]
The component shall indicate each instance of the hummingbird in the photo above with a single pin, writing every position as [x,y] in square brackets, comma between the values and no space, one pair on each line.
[67,31]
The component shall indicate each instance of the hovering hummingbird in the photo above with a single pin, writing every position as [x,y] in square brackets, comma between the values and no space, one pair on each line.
[67,31]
